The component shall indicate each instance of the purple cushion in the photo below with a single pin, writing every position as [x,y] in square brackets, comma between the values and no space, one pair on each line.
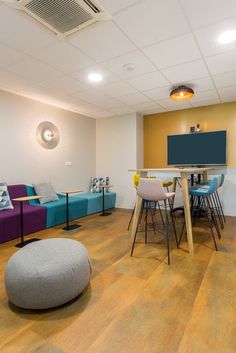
[34,216]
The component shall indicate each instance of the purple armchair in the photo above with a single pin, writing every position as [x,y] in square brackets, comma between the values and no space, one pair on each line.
[34,217]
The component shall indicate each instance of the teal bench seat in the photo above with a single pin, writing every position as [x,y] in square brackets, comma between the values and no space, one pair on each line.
[56,210]
[95,201]
[79,206]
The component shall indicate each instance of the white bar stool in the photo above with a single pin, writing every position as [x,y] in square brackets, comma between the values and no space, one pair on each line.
[152,190]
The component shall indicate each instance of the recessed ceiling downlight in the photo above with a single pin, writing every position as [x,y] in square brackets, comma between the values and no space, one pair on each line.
[95,77]
[227,37]
[129,67]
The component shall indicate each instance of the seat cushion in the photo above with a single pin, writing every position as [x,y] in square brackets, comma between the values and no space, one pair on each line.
[34,221]
[95,201]
[47,273]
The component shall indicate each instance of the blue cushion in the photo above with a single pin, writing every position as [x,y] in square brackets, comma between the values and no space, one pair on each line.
[199,191]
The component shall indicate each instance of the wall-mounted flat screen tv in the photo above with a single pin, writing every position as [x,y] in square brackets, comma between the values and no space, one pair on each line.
[204,148]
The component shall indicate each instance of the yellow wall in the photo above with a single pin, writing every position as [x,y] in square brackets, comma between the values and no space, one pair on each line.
[158,126]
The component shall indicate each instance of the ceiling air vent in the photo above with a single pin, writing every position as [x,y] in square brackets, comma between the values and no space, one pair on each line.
[63,17]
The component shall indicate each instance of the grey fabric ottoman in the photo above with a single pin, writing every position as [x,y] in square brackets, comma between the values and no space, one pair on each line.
[47,273]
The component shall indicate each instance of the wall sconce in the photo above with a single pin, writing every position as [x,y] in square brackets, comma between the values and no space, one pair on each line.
[47,135]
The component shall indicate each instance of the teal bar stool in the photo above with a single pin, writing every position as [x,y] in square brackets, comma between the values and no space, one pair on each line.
[216,200]
[202,198]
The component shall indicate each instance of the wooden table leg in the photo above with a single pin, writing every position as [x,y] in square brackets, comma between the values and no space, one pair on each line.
[138,206]
[174,190]
[205,177]
[184,180]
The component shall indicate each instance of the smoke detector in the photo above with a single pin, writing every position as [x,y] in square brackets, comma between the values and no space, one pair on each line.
[63,17]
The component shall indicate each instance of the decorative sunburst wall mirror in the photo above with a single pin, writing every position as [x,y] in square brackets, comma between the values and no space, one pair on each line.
[47,135]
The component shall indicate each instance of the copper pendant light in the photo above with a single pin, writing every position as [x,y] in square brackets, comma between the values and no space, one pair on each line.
[181,93]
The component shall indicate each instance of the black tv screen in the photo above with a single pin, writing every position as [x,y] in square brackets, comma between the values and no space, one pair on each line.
[204,148]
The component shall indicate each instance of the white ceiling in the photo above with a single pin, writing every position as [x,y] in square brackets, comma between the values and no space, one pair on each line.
[169,42]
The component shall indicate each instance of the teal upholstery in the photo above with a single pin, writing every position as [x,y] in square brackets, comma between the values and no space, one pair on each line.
[205,189]
[56,210]
[95,201]
[79,206]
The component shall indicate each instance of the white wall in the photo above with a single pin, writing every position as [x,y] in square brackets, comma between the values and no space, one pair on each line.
[23,160]
[117,151]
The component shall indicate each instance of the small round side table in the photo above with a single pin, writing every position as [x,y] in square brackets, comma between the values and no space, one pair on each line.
[21,200]
[103,200]
[68,226]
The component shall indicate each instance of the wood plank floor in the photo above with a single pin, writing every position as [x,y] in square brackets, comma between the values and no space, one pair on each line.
[134,305]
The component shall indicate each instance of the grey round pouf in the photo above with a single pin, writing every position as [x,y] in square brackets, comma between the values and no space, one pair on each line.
[47,273]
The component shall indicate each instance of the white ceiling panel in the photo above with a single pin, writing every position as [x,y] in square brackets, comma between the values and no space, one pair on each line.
[148,81]
[103,41]
[169,43]
[143,107]
[34,71]
[168,102]
[82,76]
[228,99]
[122,110]
[226,92]
[87,109]
[204,95]
[64,85]
[225,79]
[185,72]
[64,57]
[159,93]
[20,32]
[9,56]
[132,99]
[113,6]
[179,107]
[117,89]
[208,37]
[152,21]
[109,104]
[168,53]
[205,102]
[101,114]
[91,96]
[222,62]
[204,12]
[203,84]
[141,65]
[12,82]
[198,85]
[154,111]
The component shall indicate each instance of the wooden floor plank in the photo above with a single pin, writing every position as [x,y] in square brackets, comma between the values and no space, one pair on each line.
[133,305]
[212,326]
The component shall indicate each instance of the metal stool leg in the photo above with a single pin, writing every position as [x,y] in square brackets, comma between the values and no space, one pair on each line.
[162,219]
[221,208]
[211,211]
[175,233]
[146,214]
[167,232]
[131,218]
